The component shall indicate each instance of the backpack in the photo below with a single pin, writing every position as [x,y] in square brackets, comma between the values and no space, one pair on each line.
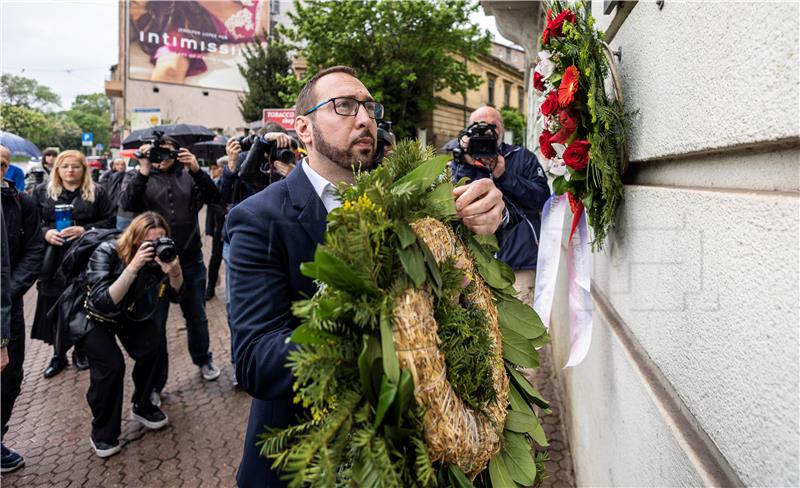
[77,257]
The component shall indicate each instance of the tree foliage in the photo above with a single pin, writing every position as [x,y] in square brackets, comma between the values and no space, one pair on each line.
[19,91]
[403,51]
[515,122]
[267,70]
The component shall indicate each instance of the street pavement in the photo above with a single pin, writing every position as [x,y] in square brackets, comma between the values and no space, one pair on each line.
[202,444]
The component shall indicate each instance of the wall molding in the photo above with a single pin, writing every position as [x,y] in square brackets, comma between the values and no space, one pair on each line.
[711,465]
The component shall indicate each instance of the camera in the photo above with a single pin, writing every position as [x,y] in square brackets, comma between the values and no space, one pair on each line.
[481,147]
[165,249]
[158,151]
[260,155]
[386,139]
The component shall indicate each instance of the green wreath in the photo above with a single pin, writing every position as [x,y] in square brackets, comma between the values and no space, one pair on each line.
[408,376]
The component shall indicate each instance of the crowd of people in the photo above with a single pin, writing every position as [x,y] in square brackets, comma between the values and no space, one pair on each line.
[110,256]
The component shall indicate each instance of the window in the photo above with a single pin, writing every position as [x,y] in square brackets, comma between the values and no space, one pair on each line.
[521,99]
[491,91]
[507,94]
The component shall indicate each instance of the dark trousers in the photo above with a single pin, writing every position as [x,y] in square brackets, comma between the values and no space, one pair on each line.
[11,377]
[193,306]
[144,345]
[216,257]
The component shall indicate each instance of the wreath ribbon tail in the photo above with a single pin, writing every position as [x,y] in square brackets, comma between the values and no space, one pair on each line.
[580,298]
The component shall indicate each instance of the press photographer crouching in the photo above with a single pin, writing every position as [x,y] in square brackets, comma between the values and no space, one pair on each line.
[129,280]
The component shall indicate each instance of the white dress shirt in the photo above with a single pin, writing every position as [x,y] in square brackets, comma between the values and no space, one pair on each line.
[324,188]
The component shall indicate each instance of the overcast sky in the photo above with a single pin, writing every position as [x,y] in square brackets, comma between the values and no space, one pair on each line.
[69,45]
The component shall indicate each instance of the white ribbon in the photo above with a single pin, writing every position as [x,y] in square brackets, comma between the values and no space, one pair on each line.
[578,272]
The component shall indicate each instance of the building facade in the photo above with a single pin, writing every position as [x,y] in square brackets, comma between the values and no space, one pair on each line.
[692,375]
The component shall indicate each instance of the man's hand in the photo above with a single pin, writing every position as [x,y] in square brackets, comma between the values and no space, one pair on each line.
[144,163]
[283,168]
[188,160]
[480,206]
[499,166]
[3,357]
[281,139]
[232,149]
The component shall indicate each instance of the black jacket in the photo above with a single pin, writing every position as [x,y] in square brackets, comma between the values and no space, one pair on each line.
[113,185]
[25,242]
[525,191]
[5,303]
[177,194]
[88,215]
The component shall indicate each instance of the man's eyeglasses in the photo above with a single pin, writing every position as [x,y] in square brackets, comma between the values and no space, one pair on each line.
[348,107]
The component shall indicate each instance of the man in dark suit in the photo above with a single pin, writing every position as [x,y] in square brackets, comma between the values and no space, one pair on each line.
[274,231]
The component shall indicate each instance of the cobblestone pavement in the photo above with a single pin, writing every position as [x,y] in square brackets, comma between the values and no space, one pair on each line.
[200,447]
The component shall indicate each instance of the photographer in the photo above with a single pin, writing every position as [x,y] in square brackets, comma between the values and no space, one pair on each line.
[177,192]
[129,283]
[520,177]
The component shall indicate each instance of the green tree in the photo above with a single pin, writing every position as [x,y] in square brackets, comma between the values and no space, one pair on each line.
[28,123]
[267,70]
[19,91]
[403,51]
[93,103]
[90,113]
[515,122]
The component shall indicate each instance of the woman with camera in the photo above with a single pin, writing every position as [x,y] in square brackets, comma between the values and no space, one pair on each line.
[129,281]
[69,204]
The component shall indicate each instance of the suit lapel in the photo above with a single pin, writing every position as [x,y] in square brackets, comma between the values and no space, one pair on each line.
[311,212]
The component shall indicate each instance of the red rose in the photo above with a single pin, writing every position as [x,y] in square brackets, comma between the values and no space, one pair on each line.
[576,156]
[538,81]
[556,26]
[569,119]
[562,136]
[550,106]
[545,146]
[569,86]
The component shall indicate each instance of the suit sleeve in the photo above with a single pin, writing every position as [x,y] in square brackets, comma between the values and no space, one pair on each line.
[260,299]
[30,264]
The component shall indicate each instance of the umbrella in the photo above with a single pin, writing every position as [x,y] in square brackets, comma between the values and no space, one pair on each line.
[19,146]
[209,150]
[185,134]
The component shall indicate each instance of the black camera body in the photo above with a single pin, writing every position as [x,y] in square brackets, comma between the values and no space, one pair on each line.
[385,138]
[481,147]
[158,152]
[260,155]
[165,249]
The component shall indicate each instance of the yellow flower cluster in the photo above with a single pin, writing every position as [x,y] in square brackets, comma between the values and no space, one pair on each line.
[362,203]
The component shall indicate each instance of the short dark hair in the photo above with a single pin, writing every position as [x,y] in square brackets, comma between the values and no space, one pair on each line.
[49,152]
[271,127]
[306,98]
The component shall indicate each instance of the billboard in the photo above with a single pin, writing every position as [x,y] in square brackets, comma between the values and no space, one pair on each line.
[142,118]
[283,116]
[193,42]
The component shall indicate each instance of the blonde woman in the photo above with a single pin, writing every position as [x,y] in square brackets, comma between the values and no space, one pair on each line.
[70,184]
[128,284]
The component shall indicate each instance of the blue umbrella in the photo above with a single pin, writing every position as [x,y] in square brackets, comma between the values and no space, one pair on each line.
[19,146]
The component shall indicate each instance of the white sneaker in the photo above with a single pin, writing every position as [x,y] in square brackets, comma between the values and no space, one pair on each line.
[210,371]
[104,449]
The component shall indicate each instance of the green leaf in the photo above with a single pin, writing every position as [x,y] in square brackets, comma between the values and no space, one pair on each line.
[526,423]
[405,394]
[414,263]
[517,317]
[518,403]
[489,268]
[424,175]
[391,365]
[560,185]
[405,233]
[432,267]
[387,396]
[518,350]
[331,270]
[518,457]
[576,175]
[304,334]
[498,473]
[459,477]
[463,181]
[441,203]
[526,388]
[370,352]
[488,241]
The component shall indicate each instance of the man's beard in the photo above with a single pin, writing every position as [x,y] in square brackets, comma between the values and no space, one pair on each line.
[346,158]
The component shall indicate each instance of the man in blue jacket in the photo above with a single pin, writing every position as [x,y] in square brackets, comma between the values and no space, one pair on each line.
[274,231]
[521,178]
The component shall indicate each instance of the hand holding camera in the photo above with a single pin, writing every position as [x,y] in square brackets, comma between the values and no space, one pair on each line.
[233,149]
[160,252]
[478,147]
[144,255]
[188,160]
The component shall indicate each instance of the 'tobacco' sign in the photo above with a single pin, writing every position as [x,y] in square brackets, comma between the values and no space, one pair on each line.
[283,116]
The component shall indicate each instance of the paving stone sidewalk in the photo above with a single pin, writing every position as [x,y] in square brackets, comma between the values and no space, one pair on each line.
[201,446]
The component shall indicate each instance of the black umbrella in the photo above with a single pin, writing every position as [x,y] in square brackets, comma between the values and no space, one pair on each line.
[185,134]
[208,150]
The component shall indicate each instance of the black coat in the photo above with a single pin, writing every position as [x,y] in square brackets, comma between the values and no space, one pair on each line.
[177,194]
[88,215]
[113,185]
[25,242]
